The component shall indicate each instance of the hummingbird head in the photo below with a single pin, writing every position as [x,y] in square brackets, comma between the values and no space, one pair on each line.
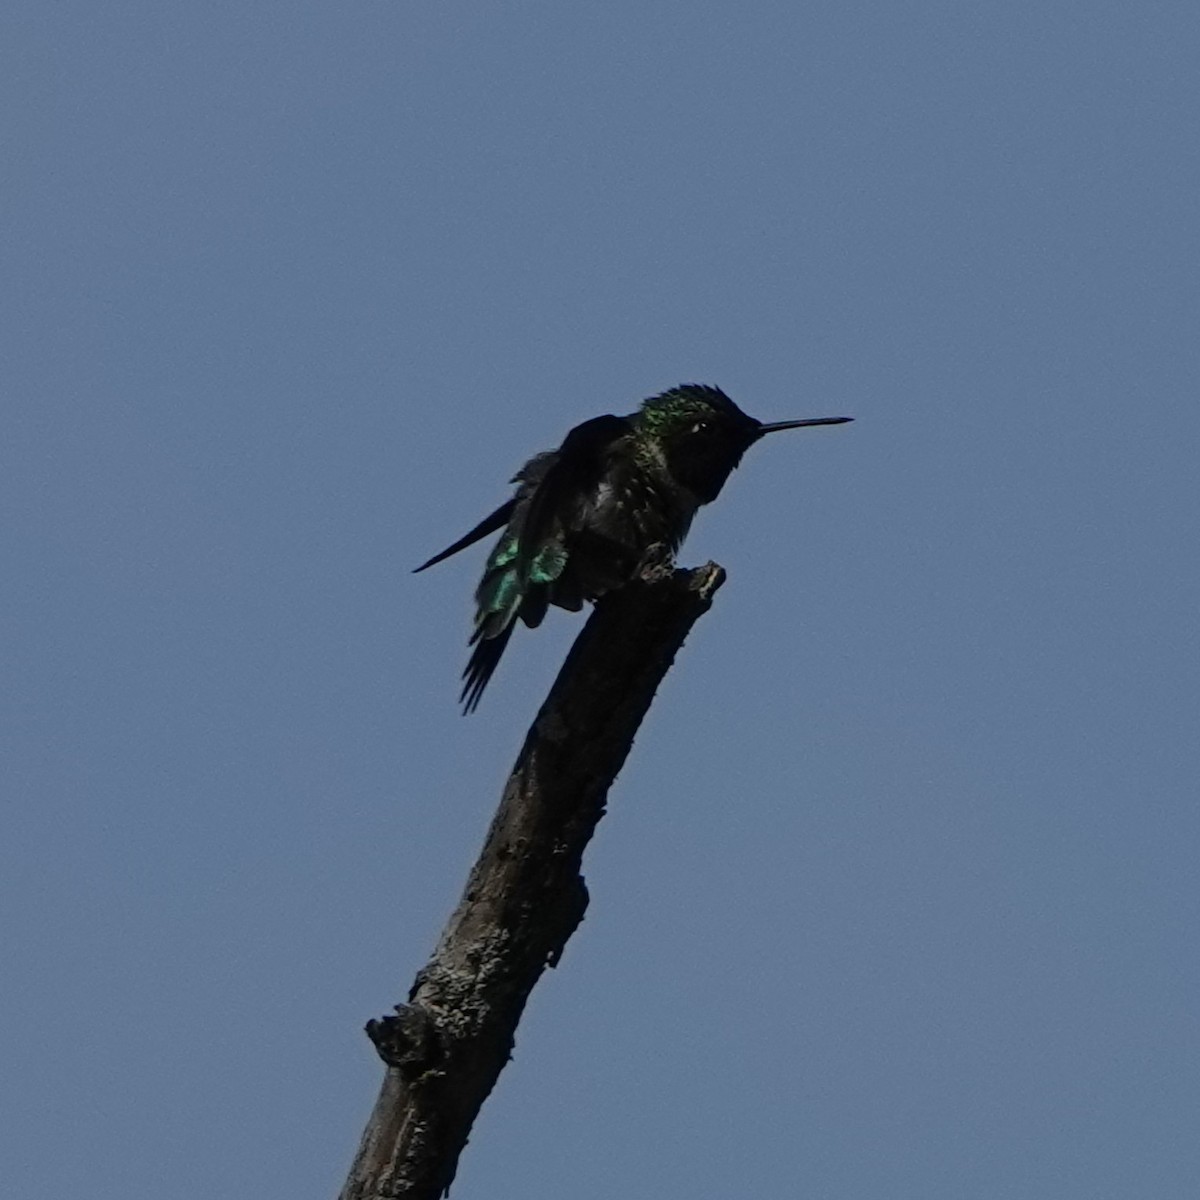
[702,434]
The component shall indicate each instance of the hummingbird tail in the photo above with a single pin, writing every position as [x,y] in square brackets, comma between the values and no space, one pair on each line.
[482,663]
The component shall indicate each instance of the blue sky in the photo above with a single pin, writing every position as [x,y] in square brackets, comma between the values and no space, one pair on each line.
[897,894]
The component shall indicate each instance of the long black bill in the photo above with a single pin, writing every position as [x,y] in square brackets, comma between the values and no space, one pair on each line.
[778,425]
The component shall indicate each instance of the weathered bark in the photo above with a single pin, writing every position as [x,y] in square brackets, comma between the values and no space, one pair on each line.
[525,896]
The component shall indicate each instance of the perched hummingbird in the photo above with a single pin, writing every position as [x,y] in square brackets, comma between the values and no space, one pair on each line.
[586,516]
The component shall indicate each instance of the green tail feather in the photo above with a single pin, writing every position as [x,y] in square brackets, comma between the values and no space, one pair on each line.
[503,596]
[502,589]
[548,564]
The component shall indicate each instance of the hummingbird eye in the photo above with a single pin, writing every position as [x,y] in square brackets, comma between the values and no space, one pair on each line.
[700,427]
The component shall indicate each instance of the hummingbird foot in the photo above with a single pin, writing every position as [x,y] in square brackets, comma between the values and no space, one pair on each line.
[656,563]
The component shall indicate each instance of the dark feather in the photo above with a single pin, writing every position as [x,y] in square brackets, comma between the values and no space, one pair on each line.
[483,661]
[533,607]
[489,524]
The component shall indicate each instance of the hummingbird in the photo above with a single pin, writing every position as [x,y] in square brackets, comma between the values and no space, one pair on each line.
[588,516]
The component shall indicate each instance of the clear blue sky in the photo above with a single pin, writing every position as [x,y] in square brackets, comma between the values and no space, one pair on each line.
[898,895]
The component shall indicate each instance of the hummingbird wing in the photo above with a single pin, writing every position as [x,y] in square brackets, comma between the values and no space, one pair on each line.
[523,568]
[489,524]
[567,484]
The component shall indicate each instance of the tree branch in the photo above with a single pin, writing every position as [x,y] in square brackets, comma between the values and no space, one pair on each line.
[525,896]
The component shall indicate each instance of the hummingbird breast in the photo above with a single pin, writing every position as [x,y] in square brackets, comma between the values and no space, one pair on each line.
[629,511]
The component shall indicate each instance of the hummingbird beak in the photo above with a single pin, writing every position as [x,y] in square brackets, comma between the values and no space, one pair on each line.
[778,425]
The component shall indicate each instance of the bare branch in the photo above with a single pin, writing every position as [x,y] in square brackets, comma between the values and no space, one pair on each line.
[525,896]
